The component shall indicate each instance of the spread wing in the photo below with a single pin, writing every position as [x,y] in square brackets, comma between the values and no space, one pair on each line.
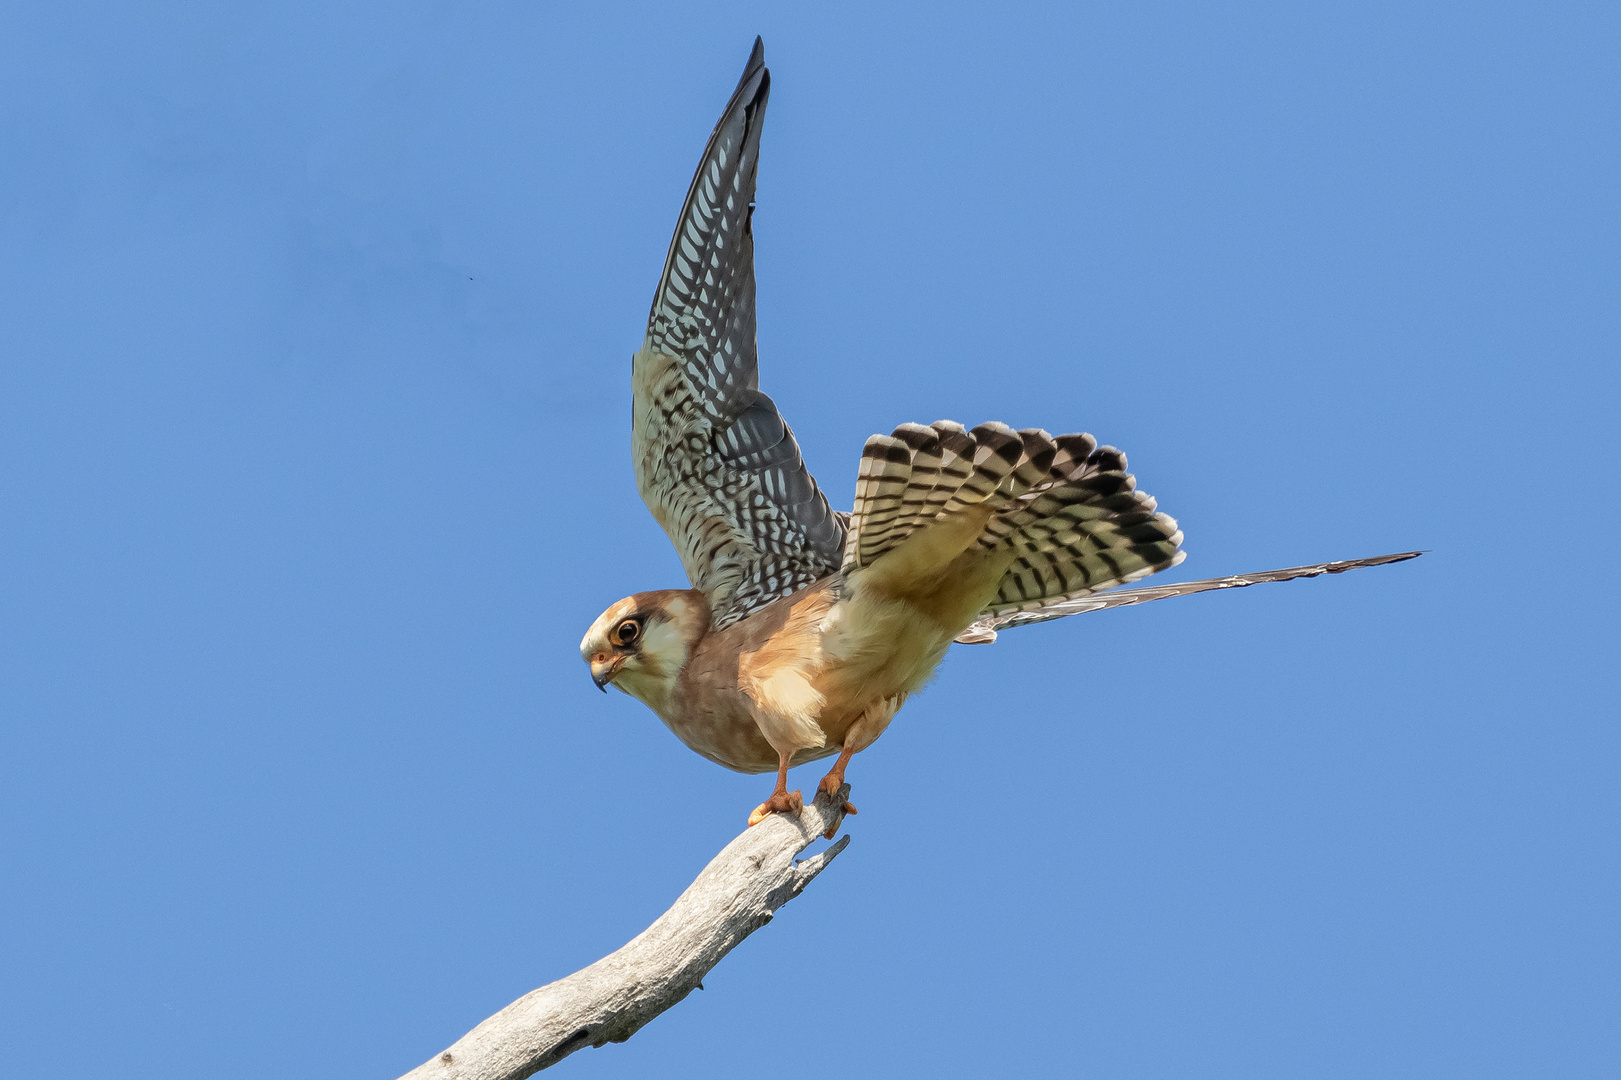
[984,630]
[714,460]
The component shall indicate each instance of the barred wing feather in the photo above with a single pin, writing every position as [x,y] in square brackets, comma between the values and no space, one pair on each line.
[715,462]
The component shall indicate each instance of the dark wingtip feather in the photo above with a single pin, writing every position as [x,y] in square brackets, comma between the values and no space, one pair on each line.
[754,68]
[1125,597]
[1376,560]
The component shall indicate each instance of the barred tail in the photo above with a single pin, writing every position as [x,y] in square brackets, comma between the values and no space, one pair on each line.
[1065,510]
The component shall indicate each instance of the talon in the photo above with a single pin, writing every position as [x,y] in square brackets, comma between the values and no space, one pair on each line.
[848,808]
[781,802]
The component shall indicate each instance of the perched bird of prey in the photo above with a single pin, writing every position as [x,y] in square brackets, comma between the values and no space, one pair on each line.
[805,628]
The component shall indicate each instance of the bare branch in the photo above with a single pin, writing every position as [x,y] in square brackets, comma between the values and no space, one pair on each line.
[736,894]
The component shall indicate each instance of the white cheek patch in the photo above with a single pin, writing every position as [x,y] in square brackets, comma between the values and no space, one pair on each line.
[664,646]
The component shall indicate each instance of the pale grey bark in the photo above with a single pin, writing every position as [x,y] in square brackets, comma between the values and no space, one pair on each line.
[737,893]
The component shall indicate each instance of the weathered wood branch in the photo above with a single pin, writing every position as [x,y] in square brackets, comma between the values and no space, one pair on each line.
[737,893]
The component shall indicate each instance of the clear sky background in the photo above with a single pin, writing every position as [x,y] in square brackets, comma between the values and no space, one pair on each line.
[315,327]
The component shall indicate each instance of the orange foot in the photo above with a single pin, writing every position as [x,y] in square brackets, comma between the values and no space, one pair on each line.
[781,802]
[830,785]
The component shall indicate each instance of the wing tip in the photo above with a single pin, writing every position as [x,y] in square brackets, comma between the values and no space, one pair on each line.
[1376,560]
[754,69]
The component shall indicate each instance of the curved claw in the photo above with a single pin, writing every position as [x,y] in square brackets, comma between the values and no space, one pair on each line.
[781,802]
[849,808]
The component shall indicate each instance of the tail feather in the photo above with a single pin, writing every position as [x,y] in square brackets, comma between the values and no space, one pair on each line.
[997,450]
[928,456]
[1034,465]
[1066,511]
[886,473]
[956,466]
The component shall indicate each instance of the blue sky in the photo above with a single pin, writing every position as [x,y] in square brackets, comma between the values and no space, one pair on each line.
[314,465]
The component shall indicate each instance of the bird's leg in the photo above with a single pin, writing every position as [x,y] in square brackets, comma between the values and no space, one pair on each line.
[835,776]
[834,780]
[782,800]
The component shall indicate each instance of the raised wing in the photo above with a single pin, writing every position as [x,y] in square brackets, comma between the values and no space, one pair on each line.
[984,630]
[714,460]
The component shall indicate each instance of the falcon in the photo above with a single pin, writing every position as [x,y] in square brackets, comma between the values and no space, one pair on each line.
[805,628]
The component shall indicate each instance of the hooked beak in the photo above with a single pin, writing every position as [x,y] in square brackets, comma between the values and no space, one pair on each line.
[603,671]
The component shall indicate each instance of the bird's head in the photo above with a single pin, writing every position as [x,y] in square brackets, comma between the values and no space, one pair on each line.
[640,643]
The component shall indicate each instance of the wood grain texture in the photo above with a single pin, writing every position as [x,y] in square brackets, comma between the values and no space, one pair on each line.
[736,894]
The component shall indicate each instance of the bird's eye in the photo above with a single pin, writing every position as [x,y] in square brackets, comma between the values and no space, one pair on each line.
[627,632]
